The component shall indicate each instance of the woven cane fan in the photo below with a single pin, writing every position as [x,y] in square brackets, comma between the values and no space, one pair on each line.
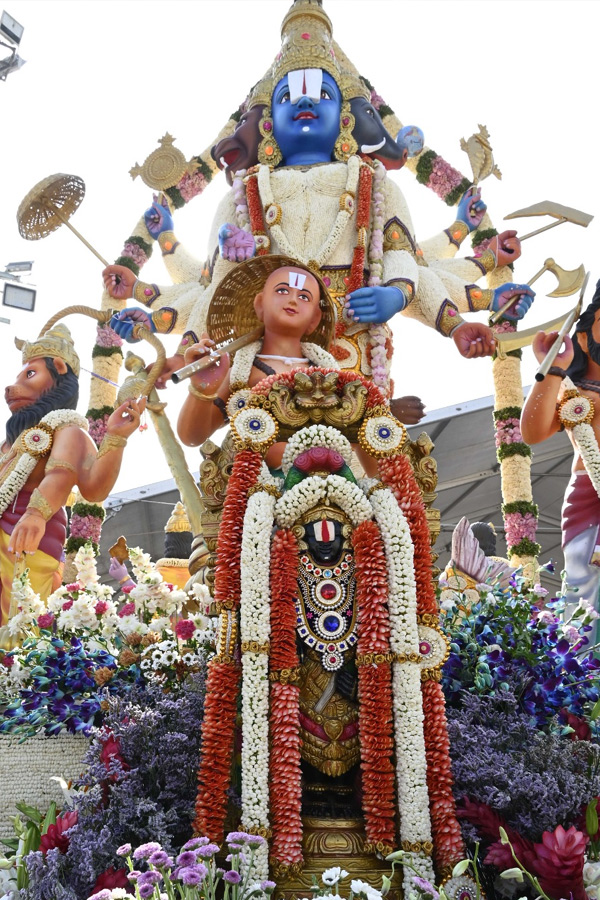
[50,204]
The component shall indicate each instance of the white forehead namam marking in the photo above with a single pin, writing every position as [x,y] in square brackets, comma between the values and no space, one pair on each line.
[305,83]
[296,280]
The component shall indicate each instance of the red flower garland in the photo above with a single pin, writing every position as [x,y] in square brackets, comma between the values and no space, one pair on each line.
[223,682]
[255,212]
[218,730]
[285,774]
[374,396]
[374,687]
[363,212]
[396,472]
[448,845]
[246,468]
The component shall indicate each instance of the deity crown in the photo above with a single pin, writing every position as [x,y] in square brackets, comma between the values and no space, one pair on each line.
[55,342]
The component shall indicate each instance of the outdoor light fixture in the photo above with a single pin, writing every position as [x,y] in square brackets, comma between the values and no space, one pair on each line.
[19,297]
[13,32]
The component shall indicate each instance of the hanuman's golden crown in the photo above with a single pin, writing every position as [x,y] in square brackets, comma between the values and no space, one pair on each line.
[55,342]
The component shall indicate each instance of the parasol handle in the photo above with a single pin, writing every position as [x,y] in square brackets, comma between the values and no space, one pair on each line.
[66,222]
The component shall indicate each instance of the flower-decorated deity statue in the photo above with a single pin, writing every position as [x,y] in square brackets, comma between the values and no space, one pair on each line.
[567,398]
[319,197]
[46,453]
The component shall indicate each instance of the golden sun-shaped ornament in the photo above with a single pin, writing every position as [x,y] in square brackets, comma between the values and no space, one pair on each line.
[165,167]
[37,441]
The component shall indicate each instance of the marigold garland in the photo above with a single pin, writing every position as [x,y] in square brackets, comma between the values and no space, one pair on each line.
[285,773]
[374,686]
[397,473]
[447,838]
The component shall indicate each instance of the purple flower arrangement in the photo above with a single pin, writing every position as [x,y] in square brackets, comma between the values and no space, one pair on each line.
[193,873]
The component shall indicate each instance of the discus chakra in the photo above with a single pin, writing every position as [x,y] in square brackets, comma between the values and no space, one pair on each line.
[254,428]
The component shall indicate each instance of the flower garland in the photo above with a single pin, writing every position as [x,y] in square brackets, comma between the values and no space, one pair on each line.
[223,680]
[440,177]
[265,193]
[285,774]
[575,413]
[85,525]
[374,688]
[307,493]
[379,348]
[514,455]
[29,455]
[397,473]
[255,633]
[244,360]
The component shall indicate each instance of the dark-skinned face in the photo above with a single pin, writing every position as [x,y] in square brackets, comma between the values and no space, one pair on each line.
[326,552]
[240,150]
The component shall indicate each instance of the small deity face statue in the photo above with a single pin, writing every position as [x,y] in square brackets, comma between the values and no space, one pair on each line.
[325,540]
[306,108]
[289,303]
[240,150]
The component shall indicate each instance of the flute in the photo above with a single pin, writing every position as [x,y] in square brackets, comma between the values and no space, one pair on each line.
[204,361]
[568,324]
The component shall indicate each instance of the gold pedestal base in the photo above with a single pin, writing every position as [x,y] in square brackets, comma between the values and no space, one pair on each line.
[334,842]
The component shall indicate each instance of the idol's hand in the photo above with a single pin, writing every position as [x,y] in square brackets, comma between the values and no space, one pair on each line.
[119,281]
[474,339]
[124,323]
[126,418]
[506,247]
[543,343]
[235,244]
[471,208]
[408,410]
[207,380]
[374,304]
[521,294]
[158,218]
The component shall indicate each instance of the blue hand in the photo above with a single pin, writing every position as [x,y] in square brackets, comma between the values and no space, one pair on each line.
[124,323]
[375,304]
[471,208]
[158,218]
[521,294]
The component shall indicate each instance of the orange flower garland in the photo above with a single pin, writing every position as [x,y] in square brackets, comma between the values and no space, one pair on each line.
[375,688]
[285,775]
[396,472]
[218,726]
[255,213]
[447,838]
[363,211]
[223,682]
[245,473]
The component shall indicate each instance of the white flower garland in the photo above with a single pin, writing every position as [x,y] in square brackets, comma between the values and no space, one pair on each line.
[28,604]
[27,462]
[586,443]
[343,217]
[255,630]
[399,551]
[244,360]
[310,491]
[316,436]
[411,761]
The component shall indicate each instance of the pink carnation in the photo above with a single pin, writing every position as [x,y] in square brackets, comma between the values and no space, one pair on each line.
[8,661]
[101,607]
[128,609]
[377,100]
[508,431]
[519,526]
[185,629]
[97,428]
[192,185]
[481,248]
[89,527]
[74,586]
[106,337]
[67,605]
[45,620]
[443,178]
[127,588]
[134,252]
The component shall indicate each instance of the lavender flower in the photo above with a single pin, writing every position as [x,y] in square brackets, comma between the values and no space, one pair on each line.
[146,850]
[150,877]
[267,886]
[186,858]
[146,890]
[232,877]
[192,875]
[124,850]
[207,850]
[195,842]
[426,887]
[161,859]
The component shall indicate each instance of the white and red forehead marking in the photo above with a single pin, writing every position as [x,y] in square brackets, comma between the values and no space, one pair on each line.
[296,280]
[324,530]
[305,83]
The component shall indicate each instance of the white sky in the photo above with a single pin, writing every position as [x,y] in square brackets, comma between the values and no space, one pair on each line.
[105,79]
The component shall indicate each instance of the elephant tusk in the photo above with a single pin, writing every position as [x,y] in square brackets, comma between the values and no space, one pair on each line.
[371,148]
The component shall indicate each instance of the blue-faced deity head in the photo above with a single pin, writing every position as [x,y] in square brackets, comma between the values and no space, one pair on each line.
[306,109]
